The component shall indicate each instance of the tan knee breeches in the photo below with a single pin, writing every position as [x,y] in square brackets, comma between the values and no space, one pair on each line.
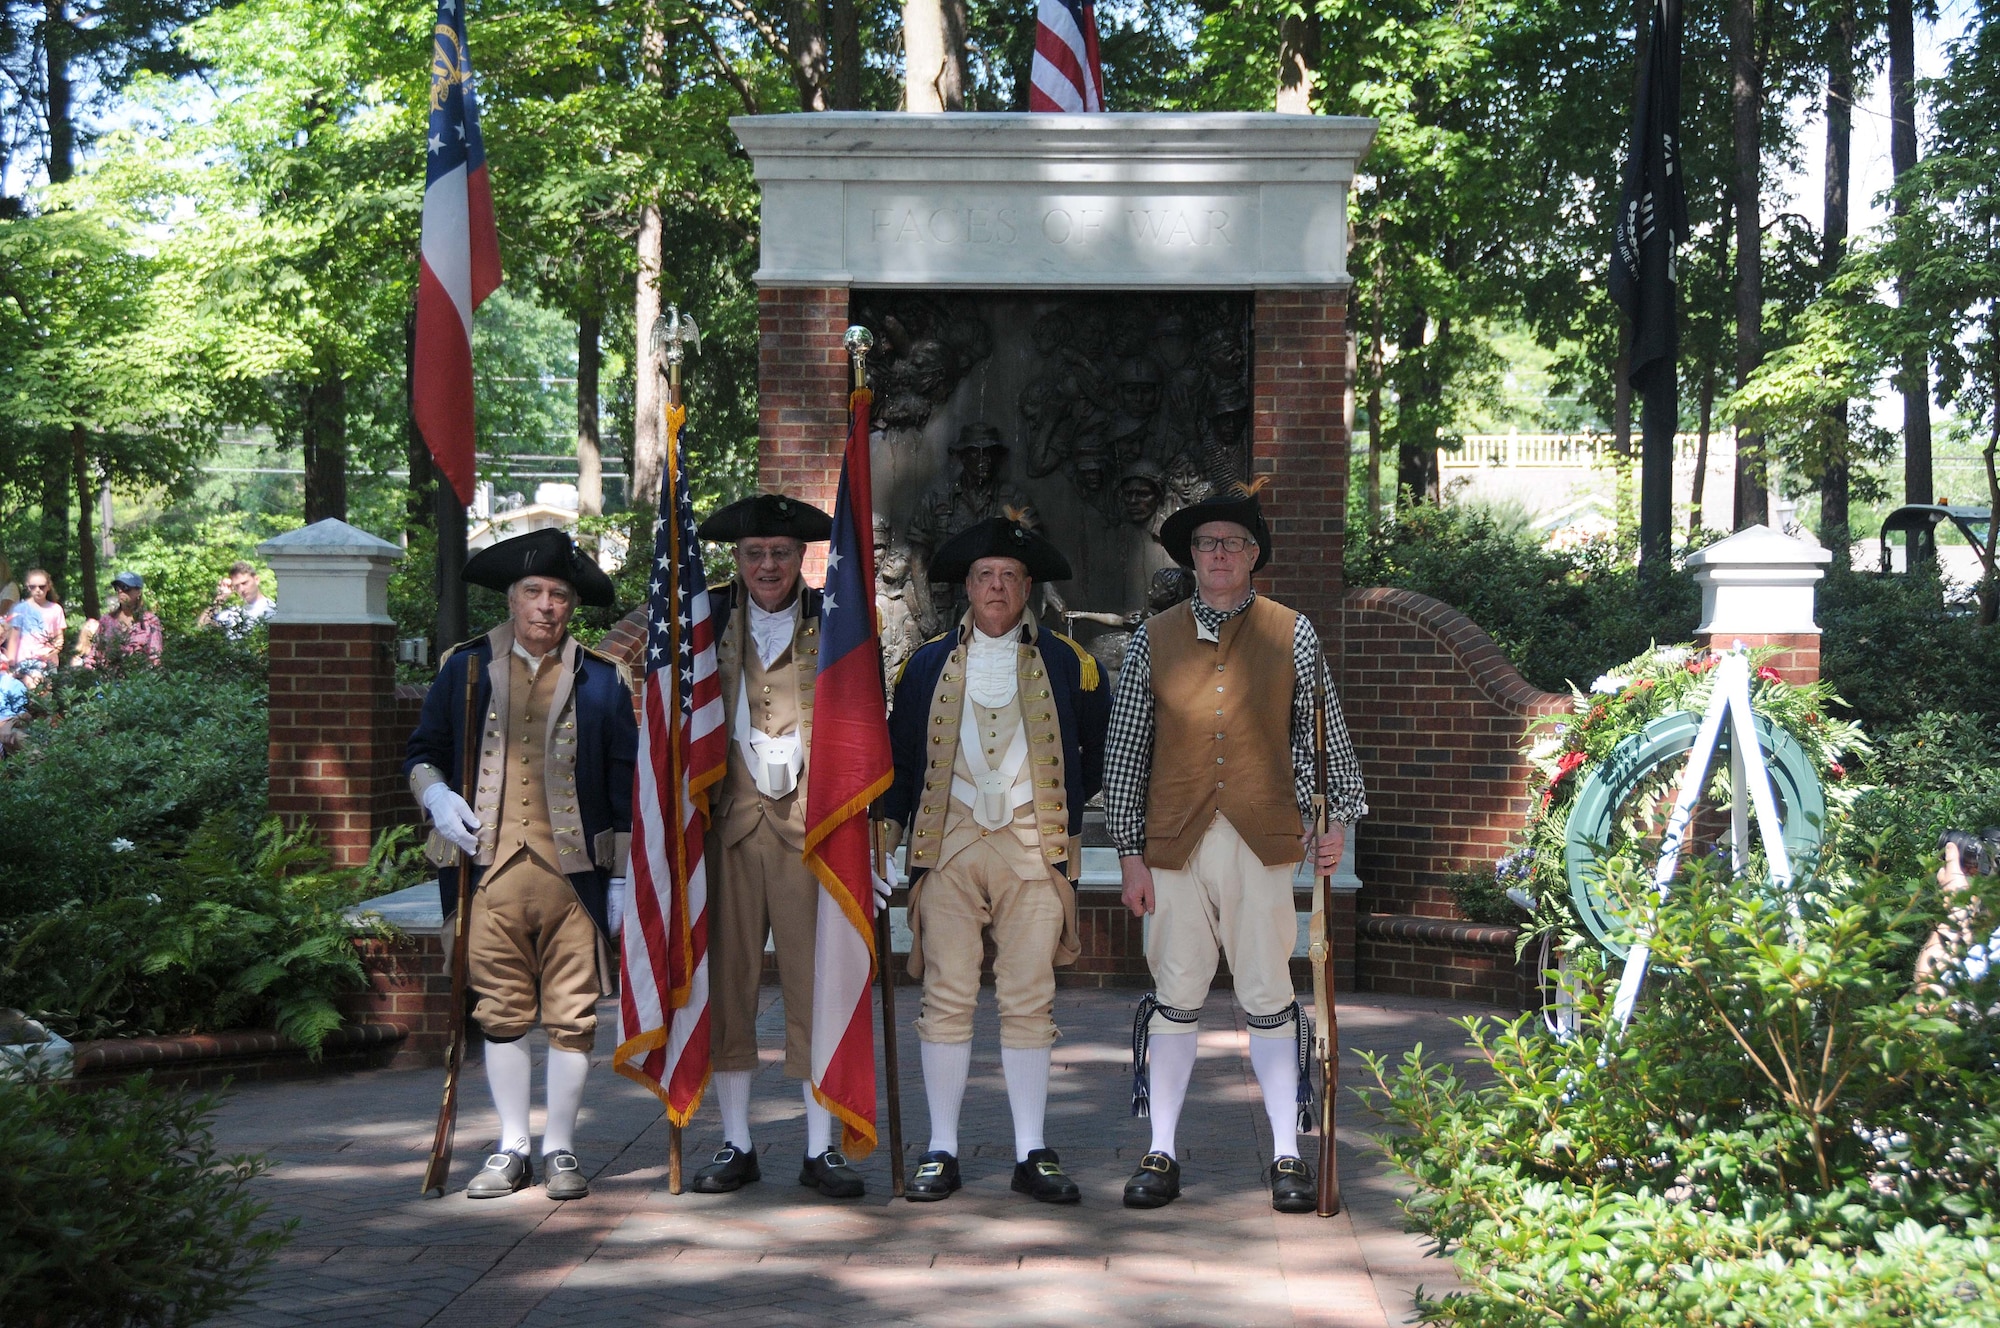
[1225,897]
[531,949]
[977,889]
[761,889]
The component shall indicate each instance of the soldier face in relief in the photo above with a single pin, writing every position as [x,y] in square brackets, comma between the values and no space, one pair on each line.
[770,566]
[1222,577]
[998,591]
[540,609]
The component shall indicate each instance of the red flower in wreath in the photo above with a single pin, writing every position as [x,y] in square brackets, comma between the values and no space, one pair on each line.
[1836,769]
[1569,762]
[1703,664]
[1766,673]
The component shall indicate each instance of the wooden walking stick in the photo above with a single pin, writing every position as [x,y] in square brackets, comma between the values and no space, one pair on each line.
[885,960]
[439,1169]
[1322,960]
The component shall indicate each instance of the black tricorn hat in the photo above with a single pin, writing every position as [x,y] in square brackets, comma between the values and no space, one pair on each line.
[999,537]
[763,515]
[541,553]
[1234,502]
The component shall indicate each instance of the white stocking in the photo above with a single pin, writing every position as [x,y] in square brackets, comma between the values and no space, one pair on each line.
[1276,1061]
[567,1070]
[1027,1071]
[510,1072]
[732,1094]
[819,1123]
[1171,1059]
[946,1066]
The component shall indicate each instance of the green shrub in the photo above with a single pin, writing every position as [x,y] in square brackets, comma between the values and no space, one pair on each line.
[1783,1115]
[115,1208]
[130,753]
[1894,648]
[237,931]
[1939,771]
[1563,617]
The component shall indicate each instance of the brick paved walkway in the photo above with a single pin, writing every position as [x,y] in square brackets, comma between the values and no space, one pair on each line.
[349,1156]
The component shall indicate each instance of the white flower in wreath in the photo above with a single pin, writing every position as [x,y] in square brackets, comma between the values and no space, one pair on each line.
[1609,684]
[1671,657]
[1545,748]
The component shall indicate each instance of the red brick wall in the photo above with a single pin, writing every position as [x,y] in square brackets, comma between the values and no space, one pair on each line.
[1437,714]
[336,744]
[1299,440]
[1799,662]
[1458,961]
[802,385]
[408,984]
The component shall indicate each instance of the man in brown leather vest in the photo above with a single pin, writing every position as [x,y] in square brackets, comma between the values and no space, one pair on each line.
[1209,836]
[767,656]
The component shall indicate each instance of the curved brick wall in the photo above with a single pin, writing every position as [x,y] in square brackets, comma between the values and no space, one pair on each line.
[1437,715]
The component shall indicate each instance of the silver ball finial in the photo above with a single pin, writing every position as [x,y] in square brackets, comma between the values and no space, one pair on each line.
[859,340]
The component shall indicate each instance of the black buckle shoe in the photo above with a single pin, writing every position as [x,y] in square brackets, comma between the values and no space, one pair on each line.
[1041,1178]
[731,1169]
[1155,1184]
[1292,1187]
[504,1173]
[562,1175]
[935,1177]
[830,1174]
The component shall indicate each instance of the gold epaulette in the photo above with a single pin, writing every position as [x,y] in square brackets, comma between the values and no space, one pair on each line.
[1091,674]
[624,669]
[445,658]
[904,667]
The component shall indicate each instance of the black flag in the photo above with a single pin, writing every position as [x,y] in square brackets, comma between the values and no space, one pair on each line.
[1652,221]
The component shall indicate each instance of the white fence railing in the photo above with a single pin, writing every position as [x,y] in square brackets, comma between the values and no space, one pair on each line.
[1565,451]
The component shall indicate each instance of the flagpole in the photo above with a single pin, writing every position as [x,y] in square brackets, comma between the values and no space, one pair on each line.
[675,354]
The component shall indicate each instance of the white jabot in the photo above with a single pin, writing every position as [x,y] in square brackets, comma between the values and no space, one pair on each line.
[990,677]
[771,631]
[534,662]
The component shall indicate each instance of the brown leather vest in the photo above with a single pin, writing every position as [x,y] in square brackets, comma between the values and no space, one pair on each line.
[1223,739]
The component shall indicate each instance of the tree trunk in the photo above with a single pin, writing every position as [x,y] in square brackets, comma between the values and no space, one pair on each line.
[60,99]
[1621,396]
[1298,61]
[934,55]
[589,444]
[1696,514]
[1746,102]
[649,439]
[846,56]
[1835,476]
[1416,450]
[1914,381]
[86,493]
[807,38]
[325,438]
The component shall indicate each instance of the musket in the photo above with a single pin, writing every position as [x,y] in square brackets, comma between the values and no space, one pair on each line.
[439,1169]
[885,960]
[1322,961]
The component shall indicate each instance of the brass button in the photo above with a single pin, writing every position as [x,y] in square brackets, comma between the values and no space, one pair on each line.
[1218,668]
[492,715]
[524,820]
[1218,737]
[767,687]
[1218,689]
[1218,783]
[1218,760]
[524,781]
[1218,712]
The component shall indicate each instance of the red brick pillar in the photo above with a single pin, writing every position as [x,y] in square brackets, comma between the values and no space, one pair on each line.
[1299,439]
[336,743]
[802,386]
[1757,590]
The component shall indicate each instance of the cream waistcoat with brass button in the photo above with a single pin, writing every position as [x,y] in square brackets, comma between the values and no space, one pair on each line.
[1048,811]
[989,732]
[779,701]
[524,804]
[553,731]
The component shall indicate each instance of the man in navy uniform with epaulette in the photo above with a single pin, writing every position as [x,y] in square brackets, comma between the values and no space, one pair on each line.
[767,659]
[546,830]
[998,736]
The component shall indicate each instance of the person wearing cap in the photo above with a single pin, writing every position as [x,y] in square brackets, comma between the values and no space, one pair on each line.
[998,736]
[129,627]
[1209,839]
[544,825]
[767,658]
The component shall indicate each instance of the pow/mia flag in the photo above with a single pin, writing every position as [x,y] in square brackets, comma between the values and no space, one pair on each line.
[1652,213]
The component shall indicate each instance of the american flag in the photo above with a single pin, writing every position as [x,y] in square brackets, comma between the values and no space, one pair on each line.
[1066,74]
[663,1002]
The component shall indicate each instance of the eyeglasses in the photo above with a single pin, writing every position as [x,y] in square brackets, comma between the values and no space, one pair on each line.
[1226,543]
[38,585]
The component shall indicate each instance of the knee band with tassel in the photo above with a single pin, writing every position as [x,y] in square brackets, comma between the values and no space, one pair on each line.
[1307,1115]
[1142,1022]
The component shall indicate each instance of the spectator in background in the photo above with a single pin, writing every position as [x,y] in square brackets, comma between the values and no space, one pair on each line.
[13,694]
[10,590]
[240,603]
[39,625]
[129,629]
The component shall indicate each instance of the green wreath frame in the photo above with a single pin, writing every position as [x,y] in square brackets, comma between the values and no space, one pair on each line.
[1593,816]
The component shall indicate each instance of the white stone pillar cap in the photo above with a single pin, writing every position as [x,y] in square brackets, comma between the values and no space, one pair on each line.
[1758,582]
[330,572]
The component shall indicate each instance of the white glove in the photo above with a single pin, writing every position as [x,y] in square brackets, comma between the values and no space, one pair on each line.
[453,819]
[614,904]
[884,887]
